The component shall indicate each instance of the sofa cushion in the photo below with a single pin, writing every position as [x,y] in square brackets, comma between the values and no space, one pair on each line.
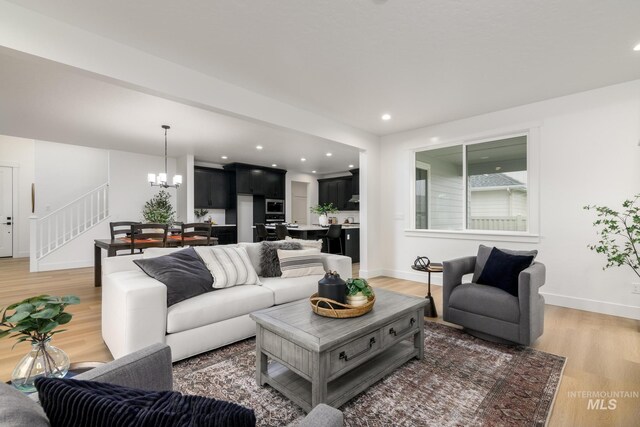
[182,272]
[485,301]
[221,304]
[292,289]
[253,251]
[156,252]
[269,263]
[502,270]
[306,244]
[18,410]
[483,256]
[298,263]
[70,402]
[229,266]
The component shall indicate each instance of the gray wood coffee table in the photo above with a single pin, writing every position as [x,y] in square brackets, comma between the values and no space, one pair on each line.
[316,359]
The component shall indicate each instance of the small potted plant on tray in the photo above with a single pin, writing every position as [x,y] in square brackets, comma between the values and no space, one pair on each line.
[358,292]
[35,319]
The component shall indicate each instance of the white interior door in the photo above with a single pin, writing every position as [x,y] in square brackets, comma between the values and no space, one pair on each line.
[299,203]
[6,212]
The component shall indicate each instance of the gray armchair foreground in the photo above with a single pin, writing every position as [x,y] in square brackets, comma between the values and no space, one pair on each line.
[147,369]
[491,313]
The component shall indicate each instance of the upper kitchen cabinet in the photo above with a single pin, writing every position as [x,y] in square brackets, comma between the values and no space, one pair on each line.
[336,191]
[258,180]
[211,188]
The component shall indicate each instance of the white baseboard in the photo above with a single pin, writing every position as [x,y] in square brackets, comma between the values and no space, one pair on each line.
[368,274]
[436,278]
[610,308]
[64,265]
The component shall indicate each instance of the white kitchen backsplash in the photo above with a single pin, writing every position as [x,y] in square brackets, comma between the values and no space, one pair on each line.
[342,215]
[217,215]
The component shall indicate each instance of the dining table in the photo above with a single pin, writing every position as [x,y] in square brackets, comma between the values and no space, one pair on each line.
[112,246]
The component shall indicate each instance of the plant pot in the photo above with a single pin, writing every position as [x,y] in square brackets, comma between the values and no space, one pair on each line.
[323,220]
[357,300]
[44,360]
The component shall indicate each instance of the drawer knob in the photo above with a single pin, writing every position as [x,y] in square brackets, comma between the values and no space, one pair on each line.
[395,334]
[345,357]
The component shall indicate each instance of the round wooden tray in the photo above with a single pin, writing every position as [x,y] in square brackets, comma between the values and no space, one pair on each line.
[338,310]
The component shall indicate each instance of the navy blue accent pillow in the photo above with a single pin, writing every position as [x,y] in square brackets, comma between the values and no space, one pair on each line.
[502,270]
[183,272]
[93,404]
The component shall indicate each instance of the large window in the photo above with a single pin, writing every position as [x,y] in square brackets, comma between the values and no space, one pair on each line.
[474,186]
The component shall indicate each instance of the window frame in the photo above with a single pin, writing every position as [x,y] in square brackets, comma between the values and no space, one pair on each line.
[533,179]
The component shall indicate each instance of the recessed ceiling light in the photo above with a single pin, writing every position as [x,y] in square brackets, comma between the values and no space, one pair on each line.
[273,165]
[637,47]
[350,166]
[434,139]
[224,157]
[484,157]
[258,147]
[498,168]
[329,154]
[303,159]
[386,117]
[313,171]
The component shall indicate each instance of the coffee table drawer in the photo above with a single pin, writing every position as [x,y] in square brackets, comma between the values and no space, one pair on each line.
[354,352]
[401,327]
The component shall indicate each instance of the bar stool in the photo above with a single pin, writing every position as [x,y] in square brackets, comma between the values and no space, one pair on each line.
[281,231]
[334,233]
[263,234]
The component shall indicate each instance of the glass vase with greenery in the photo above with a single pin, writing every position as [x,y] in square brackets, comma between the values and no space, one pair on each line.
[159,210]
[36,320]
[619,232]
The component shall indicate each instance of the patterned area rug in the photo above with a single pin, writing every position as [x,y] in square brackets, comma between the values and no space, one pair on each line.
[462,381]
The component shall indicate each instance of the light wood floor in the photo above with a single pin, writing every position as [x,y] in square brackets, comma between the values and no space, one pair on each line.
[603,352]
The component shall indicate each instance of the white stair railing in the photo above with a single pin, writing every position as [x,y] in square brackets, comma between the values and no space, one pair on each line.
[68,222]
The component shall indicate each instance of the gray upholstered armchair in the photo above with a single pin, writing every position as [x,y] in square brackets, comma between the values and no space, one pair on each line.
[489,312]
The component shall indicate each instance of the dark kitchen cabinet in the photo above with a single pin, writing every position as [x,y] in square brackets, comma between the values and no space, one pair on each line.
[336,191]
[211,188]
[351,243]
[226,234]
[259,181]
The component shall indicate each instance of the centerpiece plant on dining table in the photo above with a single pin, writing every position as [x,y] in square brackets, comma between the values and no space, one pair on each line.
[36,320]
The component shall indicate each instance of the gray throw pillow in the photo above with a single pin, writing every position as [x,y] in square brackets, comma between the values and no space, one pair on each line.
[182,272]
[17,410]
[269,262]
[483,256]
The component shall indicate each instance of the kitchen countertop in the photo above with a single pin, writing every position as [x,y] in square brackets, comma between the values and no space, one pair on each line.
[314,227]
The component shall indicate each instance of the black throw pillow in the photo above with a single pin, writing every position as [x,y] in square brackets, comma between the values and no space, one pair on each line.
[269,261]
[88,403]
[502,269]
[183,273]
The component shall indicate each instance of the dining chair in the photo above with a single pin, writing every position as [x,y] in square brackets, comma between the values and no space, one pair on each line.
[198,229]
[333,233]
[263,234]
[121,229]
[281,231]
[157,239]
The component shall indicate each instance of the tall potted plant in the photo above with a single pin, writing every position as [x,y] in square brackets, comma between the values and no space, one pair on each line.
[159,210]
[36,320]
[322,210]
[619,233]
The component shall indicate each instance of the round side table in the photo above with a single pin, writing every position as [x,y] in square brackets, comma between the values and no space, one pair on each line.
[430,309]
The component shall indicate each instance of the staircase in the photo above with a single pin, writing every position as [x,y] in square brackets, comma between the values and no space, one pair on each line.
[59,227]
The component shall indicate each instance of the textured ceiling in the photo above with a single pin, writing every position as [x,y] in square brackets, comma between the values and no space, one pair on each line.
[423,61]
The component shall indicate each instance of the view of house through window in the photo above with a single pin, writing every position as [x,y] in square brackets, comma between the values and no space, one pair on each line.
[496,186]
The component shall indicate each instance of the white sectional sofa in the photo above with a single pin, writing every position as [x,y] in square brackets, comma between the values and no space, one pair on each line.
[135,313]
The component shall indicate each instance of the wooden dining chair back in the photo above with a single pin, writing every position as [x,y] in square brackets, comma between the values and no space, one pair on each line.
[195,229]
[281,231]
[121,228]
[263,234]
[148,236]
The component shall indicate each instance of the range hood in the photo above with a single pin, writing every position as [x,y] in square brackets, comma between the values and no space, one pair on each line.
[355,198]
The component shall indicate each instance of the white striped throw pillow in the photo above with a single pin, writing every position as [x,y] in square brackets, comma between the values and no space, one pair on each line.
[229,266]
[303,262]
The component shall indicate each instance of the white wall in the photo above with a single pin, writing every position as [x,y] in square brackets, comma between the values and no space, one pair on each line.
[589,153]
[65,172]
[18,153]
